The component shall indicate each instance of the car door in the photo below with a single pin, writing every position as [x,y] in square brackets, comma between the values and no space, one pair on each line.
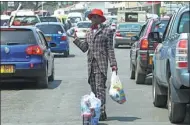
[47,52]
[161,53]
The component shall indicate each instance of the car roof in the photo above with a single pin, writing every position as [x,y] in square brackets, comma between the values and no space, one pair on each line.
[130,23]
[46,23]
[20,27]
[84,22]
[48,17]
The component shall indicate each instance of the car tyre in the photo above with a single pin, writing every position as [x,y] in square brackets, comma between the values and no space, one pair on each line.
[158,100]
[132,71]
[140,78]
[116,45]
[176,111]
[51,78]
[43,81]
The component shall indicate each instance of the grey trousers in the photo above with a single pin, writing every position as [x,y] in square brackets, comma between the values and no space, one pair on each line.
[97,82]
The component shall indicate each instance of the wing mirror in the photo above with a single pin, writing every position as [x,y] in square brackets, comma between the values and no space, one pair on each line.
[71,32]
[154,37]
[134,38]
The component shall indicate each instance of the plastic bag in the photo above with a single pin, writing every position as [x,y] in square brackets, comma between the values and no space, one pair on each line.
[116,91]
[90,108]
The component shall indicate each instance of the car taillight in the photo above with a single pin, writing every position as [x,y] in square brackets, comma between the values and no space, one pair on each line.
[113,25]
[118,34]
[34,50]
[181,54]
[63,38]
[144,44]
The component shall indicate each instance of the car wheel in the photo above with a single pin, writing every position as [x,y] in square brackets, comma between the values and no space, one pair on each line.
[51,78]
[140,78]
[158,100]
[176,111]
[43,81]
[116,45]
[66,53]
[132,71]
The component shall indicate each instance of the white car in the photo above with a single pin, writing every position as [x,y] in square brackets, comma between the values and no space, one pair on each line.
[81,28]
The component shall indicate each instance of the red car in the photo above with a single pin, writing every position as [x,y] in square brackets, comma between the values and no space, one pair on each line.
[142,50]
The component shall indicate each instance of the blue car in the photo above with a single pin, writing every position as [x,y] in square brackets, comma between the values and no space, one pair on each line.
[56,36]
[25,55]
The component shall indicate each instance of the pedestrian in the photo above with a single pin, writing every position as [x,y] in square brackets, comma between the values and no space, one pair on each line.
[99,44]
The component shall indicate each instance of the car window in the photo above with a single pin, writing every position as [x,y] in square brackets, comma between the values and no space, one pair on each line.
[167,30]
[4,22]
[50,29]
[48,19]
[42,39]
[27,20]
[84,25]
[129,27]
[142,31]
[161,27]
[19,37]
[183,26]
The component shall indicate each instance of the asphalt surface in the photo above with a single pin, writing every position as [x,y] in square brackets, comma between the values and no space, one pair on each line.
[23,104]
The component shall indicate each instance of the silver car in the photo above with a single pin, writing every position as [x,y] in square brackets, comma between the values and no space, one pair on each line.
[124,32]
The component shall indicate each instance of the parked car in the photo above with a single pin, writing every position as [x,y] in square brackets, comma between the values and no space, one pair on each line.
[55,34]
[49,19]
[171,69]
[124,32]
[142,51]
[25,54]
[81,29]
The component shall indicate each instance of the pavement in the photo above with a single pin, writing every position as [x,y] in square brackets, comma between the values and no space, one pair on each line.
[24,104]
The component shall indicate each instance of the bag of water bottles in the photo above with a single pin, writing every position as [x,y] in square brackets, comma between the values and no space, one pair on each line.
[116,91]
[90,109]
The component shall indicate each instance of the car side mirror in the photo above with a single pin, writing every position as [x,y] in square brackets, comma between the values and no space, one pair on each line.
[154,37]
[70,32]
[134,38]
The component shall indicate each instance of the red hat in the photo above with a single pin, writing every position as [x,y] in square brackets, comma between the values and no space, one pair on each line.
[97,12]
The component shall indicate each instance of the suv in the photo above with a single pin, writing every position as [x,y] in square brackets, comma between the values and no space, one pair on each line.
[171,69]
[25,54]
[142,50]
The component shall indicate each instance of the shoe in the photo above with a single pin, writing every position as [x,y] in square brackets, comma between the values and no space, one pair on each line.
[103,115]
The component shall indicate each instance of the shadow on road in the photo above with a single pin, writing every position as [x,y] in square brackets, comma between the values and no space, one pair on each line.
[26,85]
[124,47]
[123,119]
[62,56]
[102,124]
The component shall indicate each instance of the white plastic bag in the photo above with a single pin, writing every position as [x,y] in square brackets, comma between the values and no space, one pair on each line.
[89,102]
[116,91]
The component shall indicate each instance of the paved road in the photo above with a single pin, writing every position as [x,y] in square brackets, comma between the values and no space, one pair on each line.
[23,104]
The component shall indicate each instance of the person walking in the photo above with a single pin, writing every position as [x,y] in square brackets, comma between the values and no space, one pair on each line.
[99,44]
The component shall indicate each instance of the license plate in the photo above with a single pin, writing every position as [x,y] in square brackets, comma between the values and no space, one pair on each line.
[6,69]
[150,60]
[48,38]
[129,34]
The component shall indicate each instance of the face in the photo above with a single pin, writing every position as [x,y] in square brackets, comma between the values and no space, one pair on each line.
[96,19]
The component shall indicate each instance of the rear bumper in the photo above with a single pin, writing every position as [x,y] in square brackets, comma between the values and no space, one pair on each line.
[24,74]
[61,47]
[182,78]
[145,62]
[123,41]
[23,70]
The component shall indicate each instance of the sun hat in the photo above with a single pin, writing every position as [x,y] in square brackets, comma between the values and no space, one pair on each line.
[97,12]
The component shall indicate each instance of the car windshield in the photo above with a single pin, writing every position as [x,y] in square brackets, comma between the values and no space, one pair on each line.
[74,19]
[18,37]
[129,27]
[50,29]
[84,25]
[48,19]
[27,20]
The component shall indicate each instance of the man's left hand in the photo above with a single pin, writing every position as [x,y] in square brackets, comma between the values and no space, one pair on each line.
[114,68]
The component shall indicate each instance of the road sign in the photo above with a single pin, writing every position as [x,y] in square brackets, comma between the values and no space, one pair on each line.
[11,4]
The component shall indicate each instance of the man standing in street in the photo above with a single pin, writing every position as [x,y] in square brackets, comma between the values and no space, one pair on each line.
[99,44]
